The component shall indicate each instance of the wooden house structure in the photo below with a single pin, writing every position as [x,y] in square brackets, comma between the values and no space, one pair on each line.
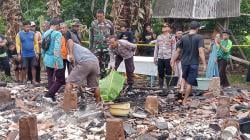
[196,9]
[179,12]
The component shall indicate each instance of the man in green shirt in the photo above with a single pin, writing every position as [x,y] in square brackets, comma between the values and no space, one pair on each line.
[223,54]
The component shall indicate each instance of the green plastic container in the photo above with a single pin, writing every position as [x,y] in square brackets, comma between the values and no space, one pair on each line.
[203,83]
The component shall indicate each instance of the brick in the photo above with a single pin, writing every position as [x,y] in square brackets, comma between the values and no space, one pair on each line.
[28,128]
[69,101]
[223,112]
[152,105]
[230,122]
[230,129]
[215,86]
[223,101]
[114,129]
[5,96]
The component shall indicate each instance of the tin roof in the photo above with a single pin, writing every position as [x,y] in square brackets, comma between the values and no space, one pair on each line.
[196,9]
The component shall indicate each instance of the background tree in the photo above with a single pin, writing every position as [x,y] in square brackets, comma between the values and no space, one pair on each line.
[133,14]
[11,13]
[53,8]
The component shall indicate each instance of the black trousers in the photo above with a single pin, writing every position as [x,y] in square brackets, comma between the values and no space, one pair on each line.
[67,64]
[248,74]
[130,68]
[164,67]
[223,74]
[5,65]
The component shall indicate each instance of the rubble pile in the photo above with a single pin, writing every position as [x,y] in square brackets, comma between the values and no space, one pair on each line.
[154,114]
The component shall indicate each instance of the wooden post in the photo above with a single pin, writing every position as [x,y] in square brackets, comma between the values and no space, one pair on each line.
[28,128]
[114,129]
[69,101]
[152,105]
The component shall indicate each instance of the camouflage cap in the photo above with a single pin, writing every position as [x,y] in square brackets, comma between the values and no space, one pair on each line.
[76,22]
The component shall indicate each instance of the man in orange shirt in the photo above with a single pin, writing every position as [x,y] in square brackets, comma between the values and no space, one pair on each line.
[64,49]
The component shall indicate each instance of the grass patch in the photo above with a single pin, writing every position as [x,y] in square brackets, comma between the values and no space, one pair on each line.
[239,80]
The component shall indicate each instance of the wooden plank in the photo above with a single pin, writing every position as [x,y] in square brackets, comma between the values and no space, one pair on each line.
[240,60]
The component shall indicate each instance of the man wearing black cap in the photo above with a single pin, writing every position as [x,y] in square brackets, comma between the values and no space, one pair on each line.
[192,47]
[52,59]
[223,55]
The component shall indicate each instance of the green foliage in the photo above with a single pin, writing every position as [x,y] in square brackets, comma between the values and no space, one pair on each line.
[32,9]
[157,25]
[2,26]
[240,26]
[5,78]
[246,50]
[111,86]
[81,9]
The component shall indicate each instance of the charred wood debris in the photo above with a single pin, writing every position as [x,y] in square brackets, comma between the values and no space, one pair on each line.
[142,114]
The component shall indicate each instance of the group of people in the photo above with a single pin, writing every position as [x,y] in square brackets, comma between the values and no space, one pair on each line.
[180,55]
[60,48]
[172,53]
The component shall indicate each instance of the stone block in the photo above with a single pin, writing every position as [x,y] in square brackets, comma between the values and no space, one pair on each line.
[69,101]
[223,101]
[28,128]
[223,112]
[5,96]
[215,86]
[114,129]
[152,105]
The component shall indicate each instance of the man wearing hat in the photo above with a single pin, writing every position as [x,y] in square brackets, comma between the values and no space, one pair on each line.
[192,47]
[38,36]
[223,55]
[164,48]
[75,31]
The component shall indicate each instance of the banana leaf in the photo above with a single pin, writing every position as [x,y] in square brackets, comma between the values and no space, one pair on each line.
[111,86]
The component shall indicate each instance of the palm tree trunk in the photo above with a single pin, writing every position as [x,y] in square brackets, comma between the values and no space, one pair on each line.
[53,8]
[131,13]
[11,13]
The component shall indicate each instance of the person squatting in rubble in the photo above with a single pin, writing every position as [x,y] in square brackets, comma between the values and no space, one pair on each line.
[120,50]
[164,48]
[100,29]
[86,69]
[192,47]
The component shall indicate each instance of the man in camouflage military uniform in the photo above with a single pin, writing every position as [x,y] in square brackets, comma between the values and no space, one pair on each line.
[100,29]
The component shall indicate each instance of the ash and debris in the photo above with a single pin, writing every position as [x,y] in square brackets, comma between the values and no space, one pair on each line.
[196,122]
